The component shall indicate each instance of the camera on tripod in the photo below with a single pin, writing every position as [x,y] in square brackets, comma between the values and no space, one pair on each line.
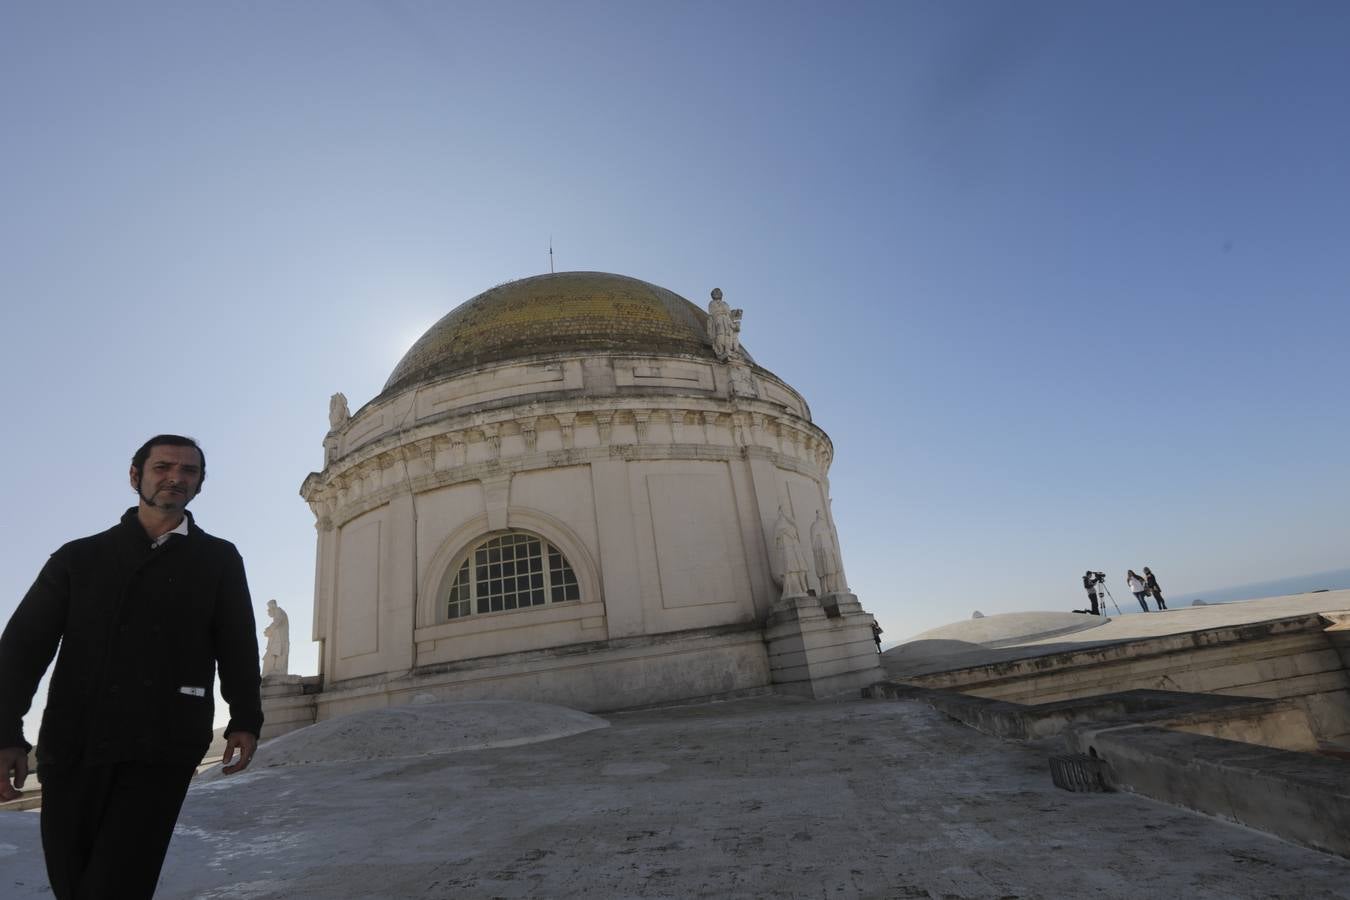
[1098,577]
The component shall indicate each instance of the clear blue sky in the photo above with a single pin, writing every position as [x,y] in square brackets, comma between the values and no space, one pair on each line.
[1065,282]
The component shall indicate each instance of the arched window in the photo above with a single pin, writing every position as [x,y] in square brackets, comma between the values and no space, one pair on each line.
[510,571]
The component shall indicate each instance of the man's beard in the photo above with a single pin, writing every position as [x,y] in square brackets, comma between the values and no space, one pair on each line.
[169,505]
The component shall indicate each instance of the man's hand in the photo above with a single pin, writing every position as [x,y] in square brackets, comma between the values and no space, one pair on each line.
[14,759]
[246,743]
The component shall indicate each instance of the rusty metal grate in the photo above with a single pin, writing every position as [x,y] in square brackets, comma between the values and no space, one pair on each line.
[1078,772]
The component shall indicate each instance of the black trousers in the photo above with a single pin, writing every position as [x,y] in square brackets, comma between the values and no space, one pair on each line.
[106,829]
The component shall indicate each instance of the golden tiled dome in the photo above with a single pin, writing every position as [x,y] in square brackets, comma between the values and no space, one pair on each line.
[556,313]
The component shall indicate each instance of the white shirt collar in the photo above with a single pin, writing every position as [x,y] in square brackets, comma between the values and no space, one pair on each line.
[181,529]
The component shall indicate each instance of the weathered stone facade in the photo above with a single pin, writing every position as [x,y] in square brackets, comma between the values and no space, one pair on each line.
[590,413]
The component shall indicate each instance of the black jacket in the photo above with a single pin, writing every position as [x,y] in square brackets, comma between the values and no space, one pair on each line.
[141,633]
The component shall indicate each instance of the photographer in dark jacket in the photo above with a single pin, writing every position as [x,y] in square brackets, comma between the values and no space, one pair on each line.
[144,613]
[1090,581]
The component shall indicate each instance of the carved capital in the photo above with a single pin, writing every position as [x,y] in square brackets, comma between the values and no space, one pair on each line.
[641,418]
[604,421]
[565,424]
[423,451]
[493,435]
[527,431]
[459,455]
[323,506]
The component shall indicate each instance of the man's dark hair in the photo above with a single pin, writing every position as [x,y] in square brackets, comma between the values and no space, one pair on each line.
[169,440]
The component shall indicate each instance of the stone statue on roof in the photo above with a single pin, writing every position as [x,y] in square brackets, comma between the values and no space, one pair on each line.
[724,327]
[277,656]
[792,563]
[829,571]
[337,411]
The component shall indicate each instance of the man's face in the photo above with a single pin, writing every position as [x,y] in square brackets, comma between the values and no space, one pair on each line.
[171,478]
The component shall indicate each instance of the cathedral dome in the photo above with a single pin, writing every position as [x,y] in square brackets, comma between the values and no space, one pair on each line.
[560,496]
[555,313]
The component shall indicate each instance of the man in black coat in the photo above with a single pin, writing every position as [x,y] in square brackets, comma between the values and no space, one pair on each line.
[1090,585]
[144,613]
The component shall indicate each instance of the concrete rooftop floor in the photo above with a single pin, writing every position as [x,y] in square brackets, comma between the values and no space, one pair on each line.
[767,796]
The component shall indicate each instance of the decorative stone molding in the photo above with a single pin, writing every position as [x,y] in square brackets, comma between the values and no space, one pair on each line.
[365,495]
[765,431]
[433,456]
[322,507]
[603,423]
[742,382]
[420,453]
[492,434]
[565,424]
[459,450]
[559,381]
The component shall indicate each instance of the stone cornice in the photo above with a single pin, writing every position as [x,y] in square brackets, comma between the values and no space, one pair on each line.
[612,377]
[542,436]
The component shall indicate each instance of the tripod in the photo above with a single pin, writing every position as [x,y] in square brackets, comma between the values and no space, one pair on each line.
[1101,586]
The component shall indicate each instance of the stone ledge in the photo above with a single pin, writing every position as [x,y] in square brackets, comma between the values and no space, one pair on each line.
[1296,796]
[1158,744]
[1018,664]
[1016,721]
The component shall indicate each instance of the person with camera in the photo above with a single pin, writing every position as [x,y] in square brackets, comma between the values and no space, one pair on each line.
[1090,579]
[1138,588]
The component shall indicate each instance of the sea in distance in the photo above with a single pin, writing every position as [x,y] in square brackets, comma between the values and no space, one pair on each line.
[1335,580]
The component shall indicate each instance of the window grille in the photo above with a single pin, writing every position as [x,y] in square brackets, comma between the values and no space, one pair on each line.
[508,572]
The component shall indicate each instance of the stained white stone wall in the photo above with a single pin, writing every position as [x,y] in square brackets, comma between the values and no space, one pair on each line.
[659,479]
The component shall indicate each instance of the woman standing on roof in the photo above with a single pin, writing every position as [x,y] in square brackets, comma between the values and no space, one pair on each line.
[1138,588]
[1151,584]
